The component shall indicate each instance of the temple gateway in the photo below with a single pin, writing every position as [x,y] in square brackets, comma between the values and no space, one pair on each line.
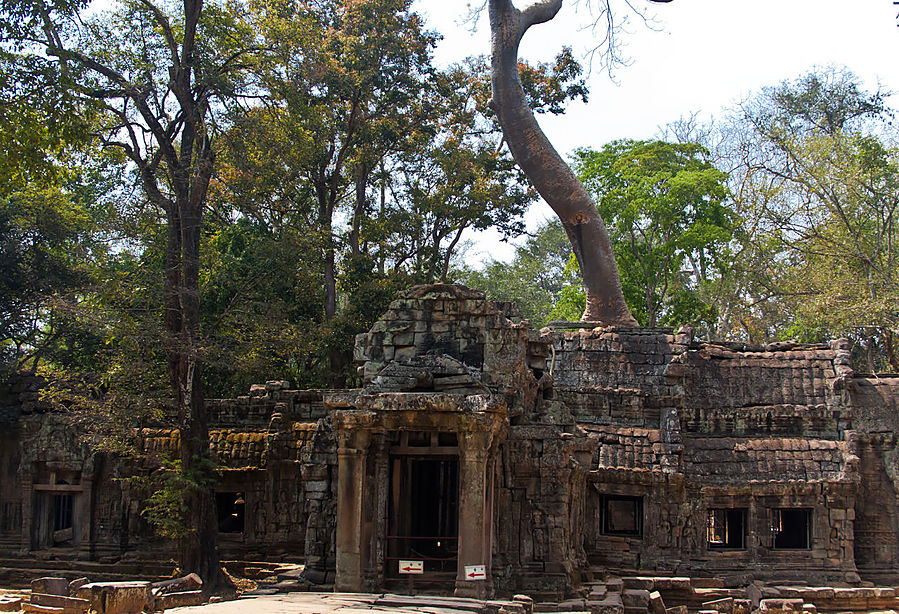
[483,457]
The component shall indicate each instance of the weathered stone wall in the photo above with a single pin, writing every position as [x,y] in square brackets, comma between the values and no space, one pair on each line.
[553,427]
[263,442]
[875,415]
[11,491]
[18,398]
[687,427]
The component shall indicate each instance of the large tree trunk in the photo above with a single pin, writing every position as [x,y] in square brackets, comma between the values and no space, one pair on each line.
[198,551]
[549,174]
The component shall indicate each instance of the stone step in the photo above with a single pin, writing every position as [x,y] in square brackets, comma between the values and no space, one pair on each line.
[290,574]
[611,604]
[261,591]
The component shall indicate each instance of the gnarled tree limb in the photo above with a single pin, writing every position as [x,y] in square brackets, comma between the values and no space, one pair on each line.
[546,170]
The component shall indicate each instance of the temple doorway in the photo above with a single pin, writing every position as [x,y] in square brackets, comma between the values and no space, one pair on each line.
[423,512]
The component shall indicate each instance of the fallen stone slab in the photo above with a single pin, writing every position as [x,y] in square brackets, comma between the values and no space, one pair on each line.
[502,606]
[190,582]
[178,600]
[74,585]
[571,605]
[605,606]
[672,584]
[50,586]
[725,606]
[635,598]
[10,604]
[41,609]
[776,606]
[117,597]
[72,605]
[656,603]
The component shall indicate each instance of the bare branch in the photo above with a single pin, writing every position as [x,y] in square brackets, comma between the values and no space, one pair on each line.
[166,27]
[538,13]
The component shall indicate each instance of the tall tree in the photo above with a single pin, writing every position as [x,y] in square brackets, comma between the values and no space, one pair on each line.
[347,84]
[666,208]
[814,177]
[155,74]
[546,170]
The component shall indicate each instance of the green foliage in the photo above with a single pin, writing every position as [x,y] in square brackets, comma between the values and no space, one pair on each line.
[535,278]
[816,184]
[572,296]
[665,206]
[167,509]
[50,237]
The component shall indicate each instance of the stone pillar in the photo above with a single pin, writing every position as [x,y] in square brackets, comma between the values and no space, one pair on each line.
[474,513]
[376,512]
[27,512]
[351,455]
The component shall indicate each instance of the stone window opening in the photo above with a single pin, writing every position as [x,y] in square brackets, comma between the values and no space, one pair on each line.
[621,515]
[230,508]
[791,528]
[726,529]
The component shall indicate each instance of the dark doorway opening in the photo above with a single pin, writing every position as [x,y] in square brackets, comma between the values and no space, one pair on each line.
[230,508]
[62,519]
[424,514]
[792,528]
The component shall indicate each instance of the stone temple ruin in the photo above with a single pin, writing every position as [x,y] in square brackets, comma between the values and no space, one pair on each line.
[502,459]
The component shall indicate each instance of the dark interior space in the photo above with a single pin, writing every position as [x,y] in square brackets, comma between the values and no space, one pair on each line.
[424,512]
[230,508]
[622,515]
[792,529]
[727,529]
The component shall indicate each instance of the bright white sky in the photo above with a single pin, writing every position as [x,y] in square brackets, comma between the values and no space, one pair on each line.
[703,56]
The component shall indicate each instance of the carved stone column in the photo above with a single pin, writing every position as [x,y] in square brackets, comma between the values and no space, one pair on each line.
[351,456]
[474,513]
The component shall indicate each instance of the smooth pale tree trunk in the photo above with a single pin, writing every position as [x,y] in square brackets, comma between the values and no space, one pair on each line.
[546,170]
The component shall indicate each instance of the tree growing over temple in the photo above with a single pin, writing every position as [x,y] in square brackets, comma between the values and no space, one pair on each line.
[546,169]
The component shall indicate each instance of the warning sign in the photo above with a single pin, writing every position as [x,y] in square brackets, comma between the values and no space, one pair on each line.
[412,567]
[475,572]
